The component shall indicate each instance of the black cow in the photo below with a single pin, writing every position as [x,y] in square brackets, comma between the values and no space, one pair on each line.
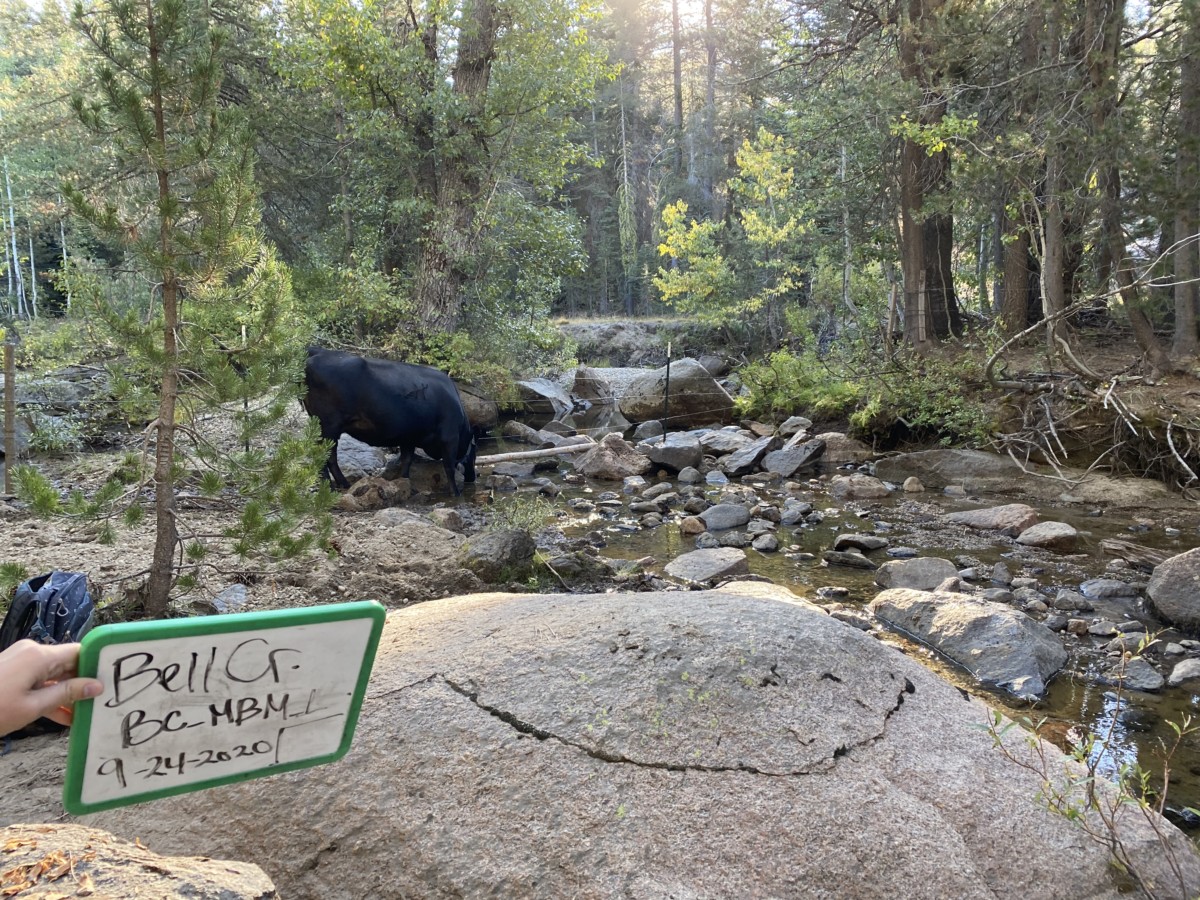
[388,404]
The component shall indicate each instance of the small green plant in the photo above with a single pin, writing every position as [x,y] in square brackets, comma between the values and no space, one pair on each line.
[788,383]
[525,511]
[11,575]
[56,434]
[1081,794]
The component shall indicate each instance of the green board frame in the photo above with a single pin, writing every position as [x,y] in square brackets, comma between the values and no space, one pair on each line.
[134,632]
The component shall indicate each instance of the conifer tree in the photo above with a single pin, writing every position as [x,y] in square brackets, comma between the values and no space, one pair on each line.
[219,328]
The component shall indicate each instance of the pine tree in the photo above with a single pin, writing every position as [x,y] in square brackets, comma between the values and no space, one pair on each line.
[219,328]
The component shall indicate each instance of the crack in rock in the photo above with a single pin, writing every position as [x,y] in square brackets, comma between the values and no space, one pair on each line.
[542,734]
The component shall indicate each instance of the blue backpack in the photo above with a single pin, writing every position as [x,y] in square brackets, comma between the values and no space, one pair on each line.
[51,609]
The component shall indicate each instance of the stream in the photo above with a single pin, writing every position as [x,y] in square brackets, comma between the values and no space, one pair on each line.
[1130,727]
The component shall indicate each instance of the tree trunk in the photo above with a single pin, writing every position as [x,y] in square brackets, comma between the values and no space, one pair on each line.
[677,83]
[1103,22]
[1187,171]
[1053,300]
[445,252]
[162,566]
[930,308]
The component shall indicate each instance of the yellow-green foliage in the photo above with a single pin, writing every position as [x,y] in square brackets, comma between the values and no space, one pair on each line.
[787,383]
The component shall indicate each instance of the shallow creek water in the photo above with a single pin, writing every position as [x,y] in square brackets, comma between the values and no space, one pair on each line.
[1131,727]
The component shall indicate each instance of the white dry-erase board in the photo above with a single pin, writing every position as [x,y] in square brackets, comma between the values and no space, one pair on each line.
[193,703]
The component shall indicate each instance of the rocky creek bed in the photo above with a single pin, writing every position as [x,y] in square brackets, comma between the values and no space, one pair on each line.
[1060,597]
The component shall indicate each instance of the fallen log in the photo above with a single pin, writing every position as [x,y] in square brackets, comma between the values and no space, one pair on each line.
[532,454]
[1136,555]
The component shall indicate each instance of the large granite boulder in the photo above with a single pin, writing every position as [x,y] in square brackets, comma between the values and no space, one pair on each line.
[732,743]
[997,644]
[542,397]
[73,861]
[482,411]
[695,397]
[502,555]
[704,566]
[612,459]
[1173,590]
[591,385]
[1010,519]
[922,573]
[676,451]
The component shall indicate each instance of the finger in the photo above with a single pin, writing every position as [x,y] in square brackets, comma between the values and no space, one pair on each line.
[63,694]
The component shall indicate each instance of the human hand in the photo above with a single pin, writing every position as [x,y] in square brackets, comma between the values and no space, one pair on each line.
[38,680]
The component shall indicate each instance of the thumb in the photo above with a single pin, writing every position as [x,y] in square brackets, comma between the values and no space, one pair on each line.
[64,693]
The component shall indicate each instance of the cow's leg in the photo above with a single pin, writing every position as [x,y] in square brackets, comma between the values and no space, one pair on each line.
[469,464]
[406,458]
[450,466]
[332,469]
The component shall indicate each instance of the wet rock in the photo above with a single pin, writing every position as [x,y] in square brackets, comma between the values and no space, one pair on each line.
[645,506]
[582,570]
[903,552]
[230,600]
[581,504]
[613,459]
[848,558]
[732,538]
[922,573]
[1078,627]
[514,469]
[651,520]
[716,366]
[519,431]
[358,460]
[97,864]
[498,556]
[1058,536]
[450,519]
[842,449]
[542,397]
[760,526]
[864,542]
[997,644]
[952,585]
[695,396]
[707,541]
[690,475]
[1102,628]
[648,431]
[725,515]
[745,460]
[500,482]
[1027,595]
[794,511]
[768,513]
[590,384]
[1186,675]
[562,429]
[912,485]
[692,525]
[857,487]
[788,461]
[1056,622]
[373,493]
[1136,674]
[1070,601]
[677,451]
[793,424]
[634,484]
[1108,589]
[706,566]
[998,595]
[695,505]
[1001,574]
[655,491]
[765,543]
[1010,519]
[729,439]
[941,468]
[716,477]
[1173,589]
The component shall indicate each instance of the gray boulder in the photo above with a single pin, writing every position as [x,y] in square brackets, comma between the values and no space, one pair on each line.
[590,384]
[788,461]
[613,459]
[1050,536]
[857,487]
[840,448]
[997,644]
[676,451]
[1010,519]
[358,460]
[1108,589]
[482,411]
[542,397]
[611,726]
[922,573]
[794,424]
[729,439]
[495,556]
[695,399]
[725,515]
[941,468]
[1172,590]
[97,864]
[1186,675]
[647,430]
[745,460]
[706,566]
